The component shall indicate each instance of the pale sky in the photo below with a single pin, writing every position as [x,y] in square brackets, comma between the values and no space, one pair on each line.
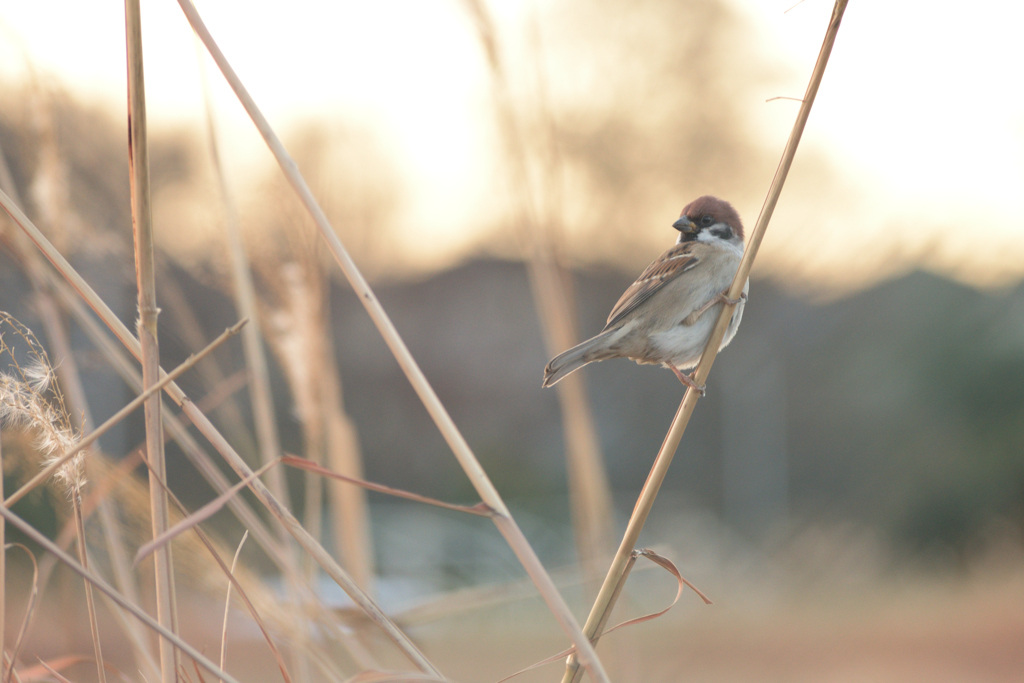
[921,107]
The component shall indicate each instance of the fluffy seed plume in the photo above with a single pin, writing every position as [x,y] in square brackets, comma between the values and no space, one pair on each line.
[30,400]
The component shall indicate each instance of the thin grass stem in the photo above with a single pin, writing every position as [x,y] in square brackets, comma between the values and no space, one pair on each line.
[90,603]
[192,522]
[227,600]
[26,620]
[244,289]
[108,590]
[78,411]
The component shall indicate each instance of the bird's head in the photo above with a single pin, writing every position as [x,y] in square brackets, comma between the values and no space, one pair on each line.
[709,218]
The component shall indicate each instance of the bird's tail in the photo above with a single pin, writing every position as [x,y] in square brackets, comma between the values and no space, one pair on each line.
[595,348]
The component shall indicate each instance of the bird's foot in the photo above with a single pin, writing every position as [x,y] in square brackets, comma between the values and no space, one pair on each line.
[688,381]
[724,298]
[720,298]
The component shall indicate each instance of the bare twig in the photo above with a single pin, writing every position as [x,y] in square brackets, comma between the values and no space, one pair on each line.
[606,598]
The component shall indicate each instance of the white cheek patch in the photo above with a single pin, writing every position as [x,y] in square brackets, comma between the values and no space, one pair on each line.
[708,237]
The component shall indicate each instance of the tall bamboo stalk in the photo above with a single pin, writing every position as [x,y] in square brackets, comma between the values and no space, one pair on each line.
[616,573]
[142,229]
[460,448]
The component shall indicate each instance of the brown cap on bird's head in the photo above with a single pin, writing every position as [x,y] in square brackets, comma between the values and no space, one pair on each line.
[718,209]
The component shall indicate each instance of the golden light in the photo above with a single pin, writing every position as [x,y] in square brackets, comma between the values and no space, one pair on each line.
[918,116]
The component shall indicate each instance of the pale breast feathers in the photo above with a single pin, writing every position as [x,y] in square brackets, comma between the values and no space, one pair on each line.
[672,263]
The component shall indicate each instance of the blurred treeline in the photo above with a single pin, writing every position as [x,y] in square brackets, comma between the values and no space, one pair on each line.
[898,408]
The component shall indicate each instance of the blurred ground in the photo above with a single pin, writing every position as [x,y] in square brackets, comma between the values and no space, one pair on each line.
[905,626]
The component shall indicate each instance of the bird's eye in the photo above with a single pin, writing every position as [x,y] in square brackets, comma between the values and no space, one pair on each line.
[706,220]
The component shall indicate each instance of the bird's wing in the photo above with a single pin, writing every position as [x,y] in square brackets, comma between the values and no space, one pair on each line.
[674,262]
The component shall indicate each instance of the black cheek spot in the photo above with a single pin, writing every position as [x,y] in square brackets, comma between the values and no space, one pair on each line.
[725,232]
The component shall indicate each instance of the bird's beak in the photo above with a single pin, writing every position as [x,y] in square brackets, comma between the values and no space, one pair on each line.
[685,225]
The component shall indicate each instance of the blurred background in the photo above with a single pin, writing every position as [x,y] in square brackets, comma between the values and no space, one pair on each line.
[857,469]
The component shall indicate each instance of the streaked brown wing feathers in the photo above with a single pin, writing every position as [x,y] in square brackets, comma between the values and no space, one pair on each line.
[669,265]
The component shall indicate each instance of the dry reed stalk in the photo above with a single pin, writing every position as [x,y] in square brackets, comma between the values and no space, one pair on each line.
[298,336]
[615,578]
[350,511]
[105,482]
[105,588]
[70,379]
[349,507]
[90,603]
[192,521]
[213,475]
[264,415]
[260,395]
[467,459]
[30,607]
[145,273]
[295,337]
[71,382]
[203,424]
[3,564]
[310,545]
[253,523]
[176,427]
[589,492]
[214,381]
[67,369]
[302,334]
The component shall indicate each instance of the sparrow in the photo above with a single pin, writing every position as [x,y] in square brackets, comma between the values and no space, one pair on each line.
[667,315]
